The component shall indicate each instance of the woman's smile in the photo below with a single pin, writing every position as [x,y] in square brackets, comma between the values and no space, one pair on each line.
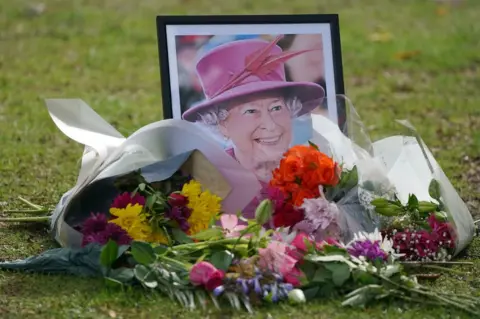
[270,141]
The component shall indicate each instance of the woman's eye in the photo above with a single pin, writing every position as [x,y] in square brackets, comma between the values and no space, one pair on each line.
[276,108]
[250,111]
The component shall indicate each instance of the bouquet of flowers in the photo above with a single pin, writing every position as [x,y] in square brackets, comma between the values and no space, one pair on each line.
[166,218]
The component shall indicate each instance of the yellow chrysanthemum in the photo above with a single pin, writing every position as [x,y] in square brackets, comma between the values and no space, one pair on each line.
[132,221]
[158,237]
[204,206]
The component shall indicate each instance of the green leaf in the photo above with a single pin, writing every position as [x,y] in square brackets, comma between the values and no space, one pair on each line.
[434,189]
[311,293]
[109,254]
[180,236]
[150,201]
[340,273]
[335,250]
[308,269]
[142,186]
[322,275]
[122,249]
[412,202]
[122,275]
[145,276]
[364,278]
[315,146]
[111,282]
[209,234]
[160,249]
[222,259]
[143,253]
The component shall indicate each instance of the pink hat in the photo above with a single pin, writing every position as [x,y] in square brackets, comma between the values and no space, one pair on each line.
[244,67]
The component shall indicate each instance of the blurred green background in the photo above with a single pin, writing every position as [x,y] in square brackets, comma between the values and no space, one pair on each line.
[413,59]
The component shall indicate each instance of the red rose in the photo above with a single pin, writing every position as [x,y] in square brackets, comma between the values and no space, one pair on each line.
[287,216]
[176,200]
[215,280]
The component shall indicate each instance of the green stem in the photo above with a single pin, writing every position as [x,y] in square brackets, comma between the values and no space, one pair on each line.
[420,263]
[28,211]
[443,269]
[209,243]
[29,203]
[187,266]
[431,295]
[25,219]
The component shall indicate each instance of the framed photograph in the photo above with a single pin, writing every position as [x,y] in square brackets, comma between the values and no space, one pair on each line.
[252,81]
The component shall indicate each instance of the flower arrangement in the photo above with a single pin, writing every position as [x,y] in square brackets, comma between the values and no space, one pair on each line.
[419,230]
[171,236]
[154,213]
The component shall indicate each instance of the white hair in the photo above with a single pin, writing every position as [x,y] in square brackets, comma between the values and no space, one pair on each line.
[219,113]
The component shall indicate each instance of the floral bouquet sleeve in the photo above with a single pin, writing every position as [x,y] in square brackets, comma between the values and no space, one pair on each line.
[157,152]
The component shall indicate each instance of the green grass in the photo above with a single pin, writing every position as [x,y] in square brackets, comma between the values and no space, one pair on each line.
[105,52]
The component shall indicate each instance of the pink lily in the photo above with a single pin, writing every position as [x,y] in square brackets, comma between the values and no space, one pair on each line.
[230,225]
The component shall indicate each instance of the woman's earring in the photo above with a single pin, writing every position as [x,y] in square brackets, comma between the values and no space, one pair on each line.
[225,138]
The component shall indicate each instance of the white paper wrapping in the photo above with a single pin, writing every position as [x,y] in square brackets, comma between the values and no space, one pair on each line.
[395,163]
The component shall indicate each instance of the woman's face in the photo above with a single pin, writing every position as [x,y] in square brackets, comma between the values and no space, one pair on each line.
[260,127]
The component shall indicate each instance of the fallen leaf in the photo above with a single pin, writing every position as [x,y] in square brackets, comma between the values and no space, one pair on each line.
[112,314]
[441,11]
[406,55]
[380,36]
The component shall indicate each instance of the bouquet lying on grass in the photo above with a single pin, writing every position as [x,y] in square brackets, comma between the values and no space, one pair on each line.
[321,229]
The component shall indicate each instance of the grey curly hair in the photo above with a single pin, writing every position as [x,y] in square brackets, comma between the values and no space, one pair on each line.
[220,113]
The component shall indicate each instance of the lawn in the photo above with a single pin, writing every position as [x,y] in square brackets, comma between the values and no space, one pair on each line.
[414,59]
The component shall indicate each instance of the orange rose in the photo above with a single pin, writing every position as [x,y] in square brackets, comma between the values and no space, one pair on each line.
[298,197]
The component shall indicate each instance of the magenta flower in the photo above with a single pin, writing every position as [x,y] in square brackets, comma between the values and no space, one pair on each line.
[230,225]
[97,229]
[368,249]
[205,274]
[124,199]
[94,224]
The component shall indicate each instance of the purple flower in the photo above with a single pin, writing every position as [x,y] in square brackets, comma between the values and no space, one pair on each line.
[122,200]
[320,212]
[117,234]
[368,249]
[180,215]
[96,223]
[97,229]
[321,219]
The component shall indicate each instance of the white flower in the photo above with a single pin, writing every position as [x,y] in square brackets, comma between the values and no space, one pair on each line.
[296,296]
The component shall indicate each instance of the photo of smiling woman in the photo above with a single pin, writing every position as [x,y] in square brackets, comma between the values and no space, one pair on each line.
[249,102]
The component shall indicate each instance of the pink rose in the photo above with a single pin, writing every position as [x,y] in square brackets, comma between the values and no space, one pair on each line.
[294,277]
[299,242]
[201,272]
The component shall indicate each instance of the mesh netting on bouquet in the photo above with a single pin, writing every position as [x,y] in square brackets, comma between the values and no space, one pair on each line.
[338,215]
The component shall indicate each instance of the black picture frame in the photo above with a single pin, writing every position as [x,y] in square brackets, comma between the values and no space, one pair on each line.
[163,21]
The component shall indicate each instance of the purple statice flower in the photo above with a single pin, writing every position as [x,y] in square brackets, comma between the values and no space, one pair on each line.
[122,200]
[94,224]
[368,249]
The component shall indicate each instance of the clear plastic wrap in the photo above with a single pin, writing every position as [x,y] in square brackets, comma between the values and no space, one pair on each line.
[397,165]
